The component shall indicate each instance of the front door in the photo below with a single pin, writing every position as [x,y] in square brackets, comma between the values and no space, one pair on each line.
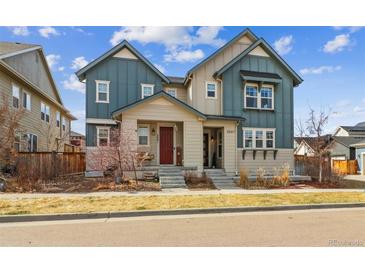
[206,149]
[166,145]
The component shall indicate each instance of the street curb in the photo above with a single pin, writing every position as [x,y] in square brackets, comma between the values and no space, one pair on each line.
[145,213]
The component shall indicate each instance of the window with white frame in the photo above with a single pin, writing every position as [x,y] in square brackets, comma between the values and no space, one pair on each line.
[259,98]
[17,139]
[32,142]
[16,95]
[147,90]
[64,123]
[211,89]
[171,91]
[45,112]
[258,138]
[143,135]
[102,91]
[102,136]
[58,119]
[26,101]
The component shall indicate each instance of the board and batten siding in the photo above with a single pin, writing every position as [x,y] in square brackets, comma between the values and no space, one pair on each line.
[281,118]
[126,77]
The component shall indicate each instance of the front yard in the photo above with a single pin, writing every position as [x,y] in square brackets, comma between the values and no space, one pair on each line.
[165,202]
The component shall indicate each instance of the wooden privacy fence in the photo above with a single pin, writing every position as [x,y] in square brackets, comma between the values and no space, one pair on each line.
[345,167]
[47,165]
[309,166]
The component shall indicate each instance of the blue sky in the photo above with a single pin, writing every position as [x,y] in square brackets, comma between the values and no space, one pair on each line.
[331,60]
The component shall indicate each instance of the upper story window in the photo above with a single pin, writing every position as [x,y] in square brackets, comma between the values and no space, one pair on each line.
[16,95]
[147,90]
[171,91]
[64,122]
[102,134]
[211,89]
[45,112]
[143,135]
[258,138]
[26,100]
[58,118]
[102,91]
[259,98]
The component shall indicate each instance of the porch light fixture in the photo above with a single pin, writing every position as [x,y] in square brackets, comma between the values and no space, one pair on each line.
[153,131]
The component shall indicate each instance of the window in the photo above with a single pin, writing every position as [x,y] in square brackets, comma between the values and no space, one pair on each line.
[220,144]
[102,91]
[17,141]
[262,98]
[211,90]
[26,100]
[64,122]
[171,91]
[147,90]
[143,135]
[16,95]
[258,138]
[251,96]
[45,112]
[102,136]
[32,142]
[58,118]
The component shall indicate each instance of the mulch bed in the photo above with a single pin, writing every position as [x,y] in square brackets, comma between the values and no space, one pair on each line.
[79,184]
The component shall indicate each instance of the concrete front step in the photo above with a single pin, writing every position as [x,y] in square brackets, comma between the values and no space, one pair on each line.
[171,177]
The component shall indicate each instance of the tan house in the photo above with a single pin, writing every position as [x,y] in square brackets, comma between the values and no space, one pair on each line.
[26,84]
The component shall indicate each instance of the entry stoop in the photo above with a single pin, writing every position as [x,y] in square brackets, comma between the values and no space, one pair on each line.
[171,177]
[220,179]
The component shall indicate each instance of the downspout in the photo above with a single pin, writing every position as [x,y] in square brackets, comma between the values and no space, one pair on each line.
[235,151]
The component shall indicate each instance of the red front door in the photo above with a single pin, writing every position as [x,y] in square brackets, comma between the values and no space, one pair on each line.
[166,145]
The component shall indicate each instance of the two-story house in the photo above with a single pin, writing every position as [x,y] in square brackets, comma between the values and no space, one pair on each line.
[27,86]
[234,109]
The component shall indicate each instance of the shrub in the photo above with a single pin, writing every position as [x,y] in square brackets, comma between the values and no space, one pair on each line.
[281,176]
[244,183]
[260,177]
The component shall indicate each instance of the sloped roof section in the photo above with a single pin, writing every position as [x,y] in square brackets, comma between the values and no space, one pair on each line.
[362,124]
[261,42]
[176,80]
[8,49]
[347,141]
[124,44]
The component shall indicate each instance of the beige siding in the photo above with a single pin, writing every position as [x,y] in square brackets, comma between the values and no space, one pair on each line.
[32,67]
[193,144]
[31,120]
[205,73]
[181,92]
[283,157]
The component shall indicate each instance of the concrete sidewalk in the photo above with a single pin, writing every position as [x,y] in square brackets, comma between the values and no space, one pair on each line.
[174,191]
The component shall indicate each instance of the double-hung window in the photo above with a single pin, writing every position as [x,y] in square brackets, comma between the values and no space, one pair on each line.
[147,90]
[259,97]
[171,91]
[64,123]
[45,112]
[211,89]
[17,139]
[261,138]
[143,135]
[32,142]
[16,95]
[58,118]
[102,91]
[102,136]
[26,101]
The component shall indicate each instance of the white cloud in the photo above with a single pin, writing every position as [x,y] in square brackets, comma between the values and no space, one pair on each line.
[284,44]
[350,29]
[208,36]
[79,124]
[73,83]
[48,31]
[359,109]
[52,60]
[160,68]
[20,31]
[61,68]
[339,43]
[320,70]
[184,56]
[343,103]
[79,62]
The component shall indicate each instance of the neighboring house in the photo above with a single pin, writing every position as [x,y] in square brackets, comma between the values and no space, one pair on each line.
[26,84]
[307,145]
[77,140]
[360,155]
[354,131]
[234,109]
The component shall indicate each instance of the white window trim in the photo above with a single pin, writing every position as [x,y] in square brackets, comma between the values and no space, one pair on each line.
[26,93]
[97,82]
[58,118]
[97,135]
[175,91]
[259,96]
[206,90]
[148,137]
[45,113]
[147,85]
[264,130]
[31,148]
[18,97]
[64,122]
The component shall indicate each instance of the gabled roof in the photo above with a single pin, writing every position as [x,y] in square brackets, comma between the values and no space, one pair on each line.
[124,44]
[362,124]
[246,31]
[176,79]
[312,141]
[8,49]
[347,141]
[261,42]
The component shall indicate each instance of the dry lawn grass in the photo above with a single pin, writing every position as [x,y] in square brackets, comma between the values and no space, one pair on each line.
[155,202]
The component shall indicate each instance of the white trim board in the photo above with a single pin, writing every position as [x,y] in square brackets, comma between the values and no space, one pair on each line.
[100,121]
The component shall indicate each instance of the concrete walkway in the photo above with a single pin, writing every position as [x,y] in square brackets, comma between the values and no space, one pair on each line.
[360,178]
[174,191]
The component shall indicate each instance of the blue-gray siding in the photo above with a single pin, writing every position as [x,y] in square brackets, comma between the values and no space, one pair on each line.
[282,116]
[126,77]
